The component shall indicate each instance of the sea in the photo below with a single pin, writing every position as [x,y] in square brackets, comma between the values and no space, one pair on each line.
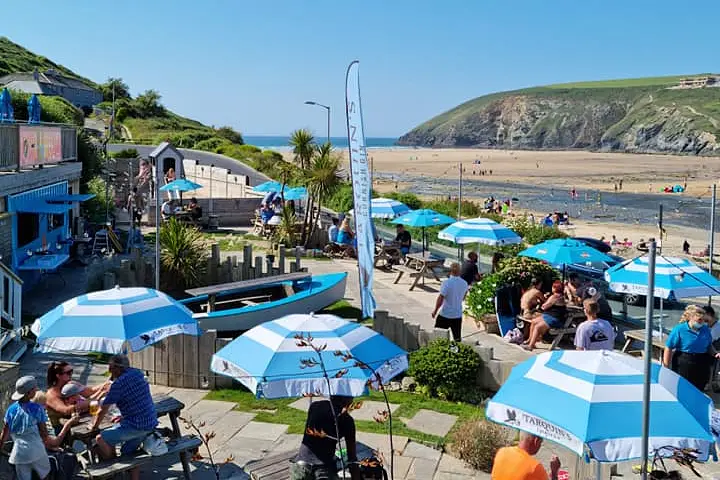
[283,142]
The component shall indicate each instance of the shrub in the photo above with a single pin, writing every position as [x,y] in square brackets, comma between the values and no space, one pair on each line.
[183,256]
[513,271]
[125,153]
[533,233]
[342,199]
[477,441]
[409,199]
[446,369]
[95,207]
[210,145]
[230,135]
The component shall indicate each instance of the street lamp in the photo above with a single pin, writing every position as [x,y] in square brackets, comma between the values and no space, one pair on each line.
[328,116]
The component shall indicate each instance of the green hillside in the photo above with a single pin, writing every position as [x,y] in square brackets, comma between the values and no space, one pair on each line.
[641,114]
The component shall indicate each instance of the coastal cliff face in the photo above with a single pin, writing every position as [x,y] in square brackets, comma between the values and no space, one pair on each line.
[633,119]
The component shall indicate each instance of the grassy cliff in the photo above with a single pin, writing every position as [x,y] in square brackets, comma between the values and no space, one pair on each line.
[639,115]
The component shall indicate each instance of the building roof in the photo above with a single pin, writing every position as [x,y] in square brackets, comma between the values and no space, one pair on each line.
[50,77]
[165,146]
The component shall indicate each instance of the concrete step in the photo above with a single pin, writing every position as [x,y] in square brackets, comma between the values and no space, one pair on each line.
[13,351]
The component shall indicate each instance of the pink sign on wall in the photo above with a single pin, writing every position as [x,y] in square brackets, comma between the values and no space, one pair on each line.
[40,145]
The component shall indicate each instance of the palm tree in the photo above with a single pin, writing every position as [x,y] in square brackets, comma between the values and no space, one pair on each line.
[285,233]
[323,178]
[303,144]
[183,256]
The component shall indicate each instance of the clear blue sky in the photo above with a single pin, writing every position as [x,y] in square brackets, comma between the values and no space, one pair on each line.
[252,64]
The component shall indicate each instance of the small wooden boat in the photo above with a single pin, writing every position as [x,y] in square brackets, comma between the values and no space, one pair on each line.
[239,306]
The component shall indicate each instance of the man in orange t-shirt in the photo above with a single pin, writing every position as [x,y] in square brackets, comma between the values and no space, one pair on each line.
[518,463]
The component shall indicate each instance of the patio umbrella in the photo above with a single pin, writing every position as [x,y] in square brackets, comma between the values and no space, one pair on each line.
[297,193]
[561,252]
[674,278]
[386,208]
[268,186]
[479,230]
[271,363]
[592,401]
[180,185]
[103,321]
[423,218]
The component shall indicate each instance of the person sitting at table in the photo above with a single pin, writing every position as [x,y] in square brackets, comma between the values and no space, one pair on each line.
[594,333]
[553,315]
[59,376]
[333,231]
[689,350]
[26,424]
[576,292]
[131,393]
[403,238]
[532,299]
[194,209]
[316,457]
[266,213]
[345,233]
[167,209]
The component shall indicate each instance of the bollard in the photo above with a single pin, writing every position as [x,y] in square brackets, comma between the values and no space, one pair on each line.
[281,259]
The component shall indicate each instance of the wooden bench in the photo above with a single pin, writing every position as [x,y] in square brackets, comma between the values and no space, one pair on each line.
[274,467]
[568,327]
[110,468]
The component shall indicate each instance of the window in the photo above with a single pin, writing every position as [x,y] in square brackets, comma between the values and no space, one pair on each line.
[55,221]
[28,228]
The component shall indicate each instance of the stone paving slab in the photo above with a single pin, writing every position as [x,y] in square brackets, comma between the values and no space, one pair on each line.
[187,396]
[418,450]
[450,464]
[226,429]
[288,442]
[422,469]
[368,410]
[381,442]
[432,423]
[208,411]
[401,466]
[261,431]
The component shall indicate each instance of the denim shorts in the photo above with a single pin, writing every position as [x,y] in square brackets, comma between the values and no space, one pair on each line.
[129,437]
[551,321]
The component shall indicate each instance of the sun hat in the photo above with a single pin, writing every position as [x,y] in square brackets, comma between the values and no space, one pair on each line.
[71,388]
[23,386]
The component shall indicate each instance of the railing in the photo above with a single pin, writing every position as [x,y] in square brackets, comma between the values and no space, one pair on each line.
[10,148]
[11,314]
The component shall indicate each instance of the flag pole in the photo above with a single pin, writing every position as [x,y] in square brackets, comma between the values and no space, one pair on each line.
[711,246]
[650,305]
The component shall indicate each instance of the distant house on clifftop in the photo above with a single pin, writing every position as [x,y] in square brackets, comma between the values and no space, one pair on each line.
[700,82]
[52,83]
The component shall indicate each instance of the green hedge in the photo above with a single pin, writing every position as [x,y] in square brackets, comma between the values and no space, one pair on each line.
[446,369]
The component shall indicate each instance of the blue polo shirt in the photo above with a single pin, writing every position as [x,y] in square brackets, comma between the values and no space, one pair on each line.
[684,339]
[131,393]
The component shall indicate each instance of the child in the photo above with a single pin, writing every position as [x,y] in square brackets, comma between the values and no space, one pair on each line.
[26,423]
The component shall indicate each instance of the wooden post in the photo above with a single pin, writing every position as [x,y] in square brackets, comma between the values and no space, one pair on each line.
[227,270]
[258,267]
[281,259]
[293,267]
[206,349]
[297,259]
[247,262]
[211,302]
[269,263]
[109,280]
[214,263]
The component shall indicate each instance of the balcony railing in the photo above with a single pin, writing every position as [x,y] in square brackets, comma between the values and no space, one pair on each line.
[47,143]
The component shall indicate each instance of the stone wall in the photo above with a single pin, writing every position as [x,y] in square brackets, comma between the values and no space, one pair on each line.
[410,337]
[235,212]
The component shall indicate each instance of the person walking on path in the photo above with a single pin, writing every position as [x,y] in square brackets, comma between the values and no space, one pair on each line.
[470,272]
[519,462]
[449,303]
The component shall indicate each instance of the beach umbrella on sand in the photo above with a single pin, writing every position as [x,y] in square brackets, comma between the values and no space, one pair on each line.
[386,208]
[104,321]
[479,230]
[562,252]
[273,362]
[423,218]
[592,403]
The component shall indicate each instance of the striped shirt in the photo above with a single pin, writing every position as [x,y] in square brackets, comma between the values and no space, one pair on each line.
[131,393]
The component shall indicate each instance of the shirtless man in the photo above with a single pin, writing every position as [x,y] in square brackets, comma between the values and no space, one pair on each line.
[530,302]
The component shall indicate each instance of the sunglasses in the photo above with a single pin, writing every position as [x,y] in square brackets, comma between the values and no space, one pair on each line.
[68,372]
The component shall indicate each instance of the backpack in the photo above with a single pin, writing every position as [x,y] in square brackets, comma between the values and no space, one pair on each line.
[63,465]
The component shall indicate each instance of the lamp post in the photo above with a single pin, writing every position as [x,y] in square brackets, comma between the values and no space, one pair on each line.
[328,116]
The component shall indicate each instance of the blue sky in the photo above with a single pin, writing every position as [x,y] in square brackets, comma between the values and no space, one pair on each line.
[252,64]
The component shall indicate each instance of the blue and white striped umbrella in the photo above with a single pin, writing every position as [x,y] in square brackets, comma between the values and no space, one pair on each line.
[386,208]
[268,360]
[592,400]
[103,321]
[674,277]
[479,230]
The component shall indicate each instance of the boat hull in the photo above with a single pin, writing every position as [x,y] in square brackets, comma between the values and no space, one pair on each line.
[325,290]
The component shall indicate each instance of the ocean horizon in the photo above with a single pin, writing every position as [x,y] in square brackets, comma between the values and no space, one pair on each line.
[280,142]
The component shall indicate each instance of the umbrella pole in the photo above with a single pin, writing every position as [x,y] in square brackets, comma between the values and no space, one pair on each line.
[650,304]
[660,320]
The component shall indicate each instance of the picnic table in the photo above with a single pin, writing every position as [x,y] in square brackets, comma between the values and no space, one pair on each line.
[658,342]
[575,315]
[389,252]
[417,265]
[164,405]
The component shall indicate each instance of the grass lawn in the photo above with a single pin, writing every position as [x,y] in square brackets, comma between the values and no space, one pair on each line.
[343,309]
[278,411]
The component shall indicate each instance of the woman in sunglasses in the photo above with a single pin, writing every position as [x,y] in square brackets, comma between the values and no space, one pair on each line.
[65,397]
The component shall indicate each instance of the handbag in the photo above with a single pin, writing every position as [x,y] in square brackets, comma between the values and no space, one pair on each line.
[154,444]
[63,465]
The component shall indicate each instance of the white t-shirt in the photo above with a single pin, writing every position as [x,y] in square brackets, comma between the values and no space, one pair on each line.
[166,209]
[453,291]
[595,335]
